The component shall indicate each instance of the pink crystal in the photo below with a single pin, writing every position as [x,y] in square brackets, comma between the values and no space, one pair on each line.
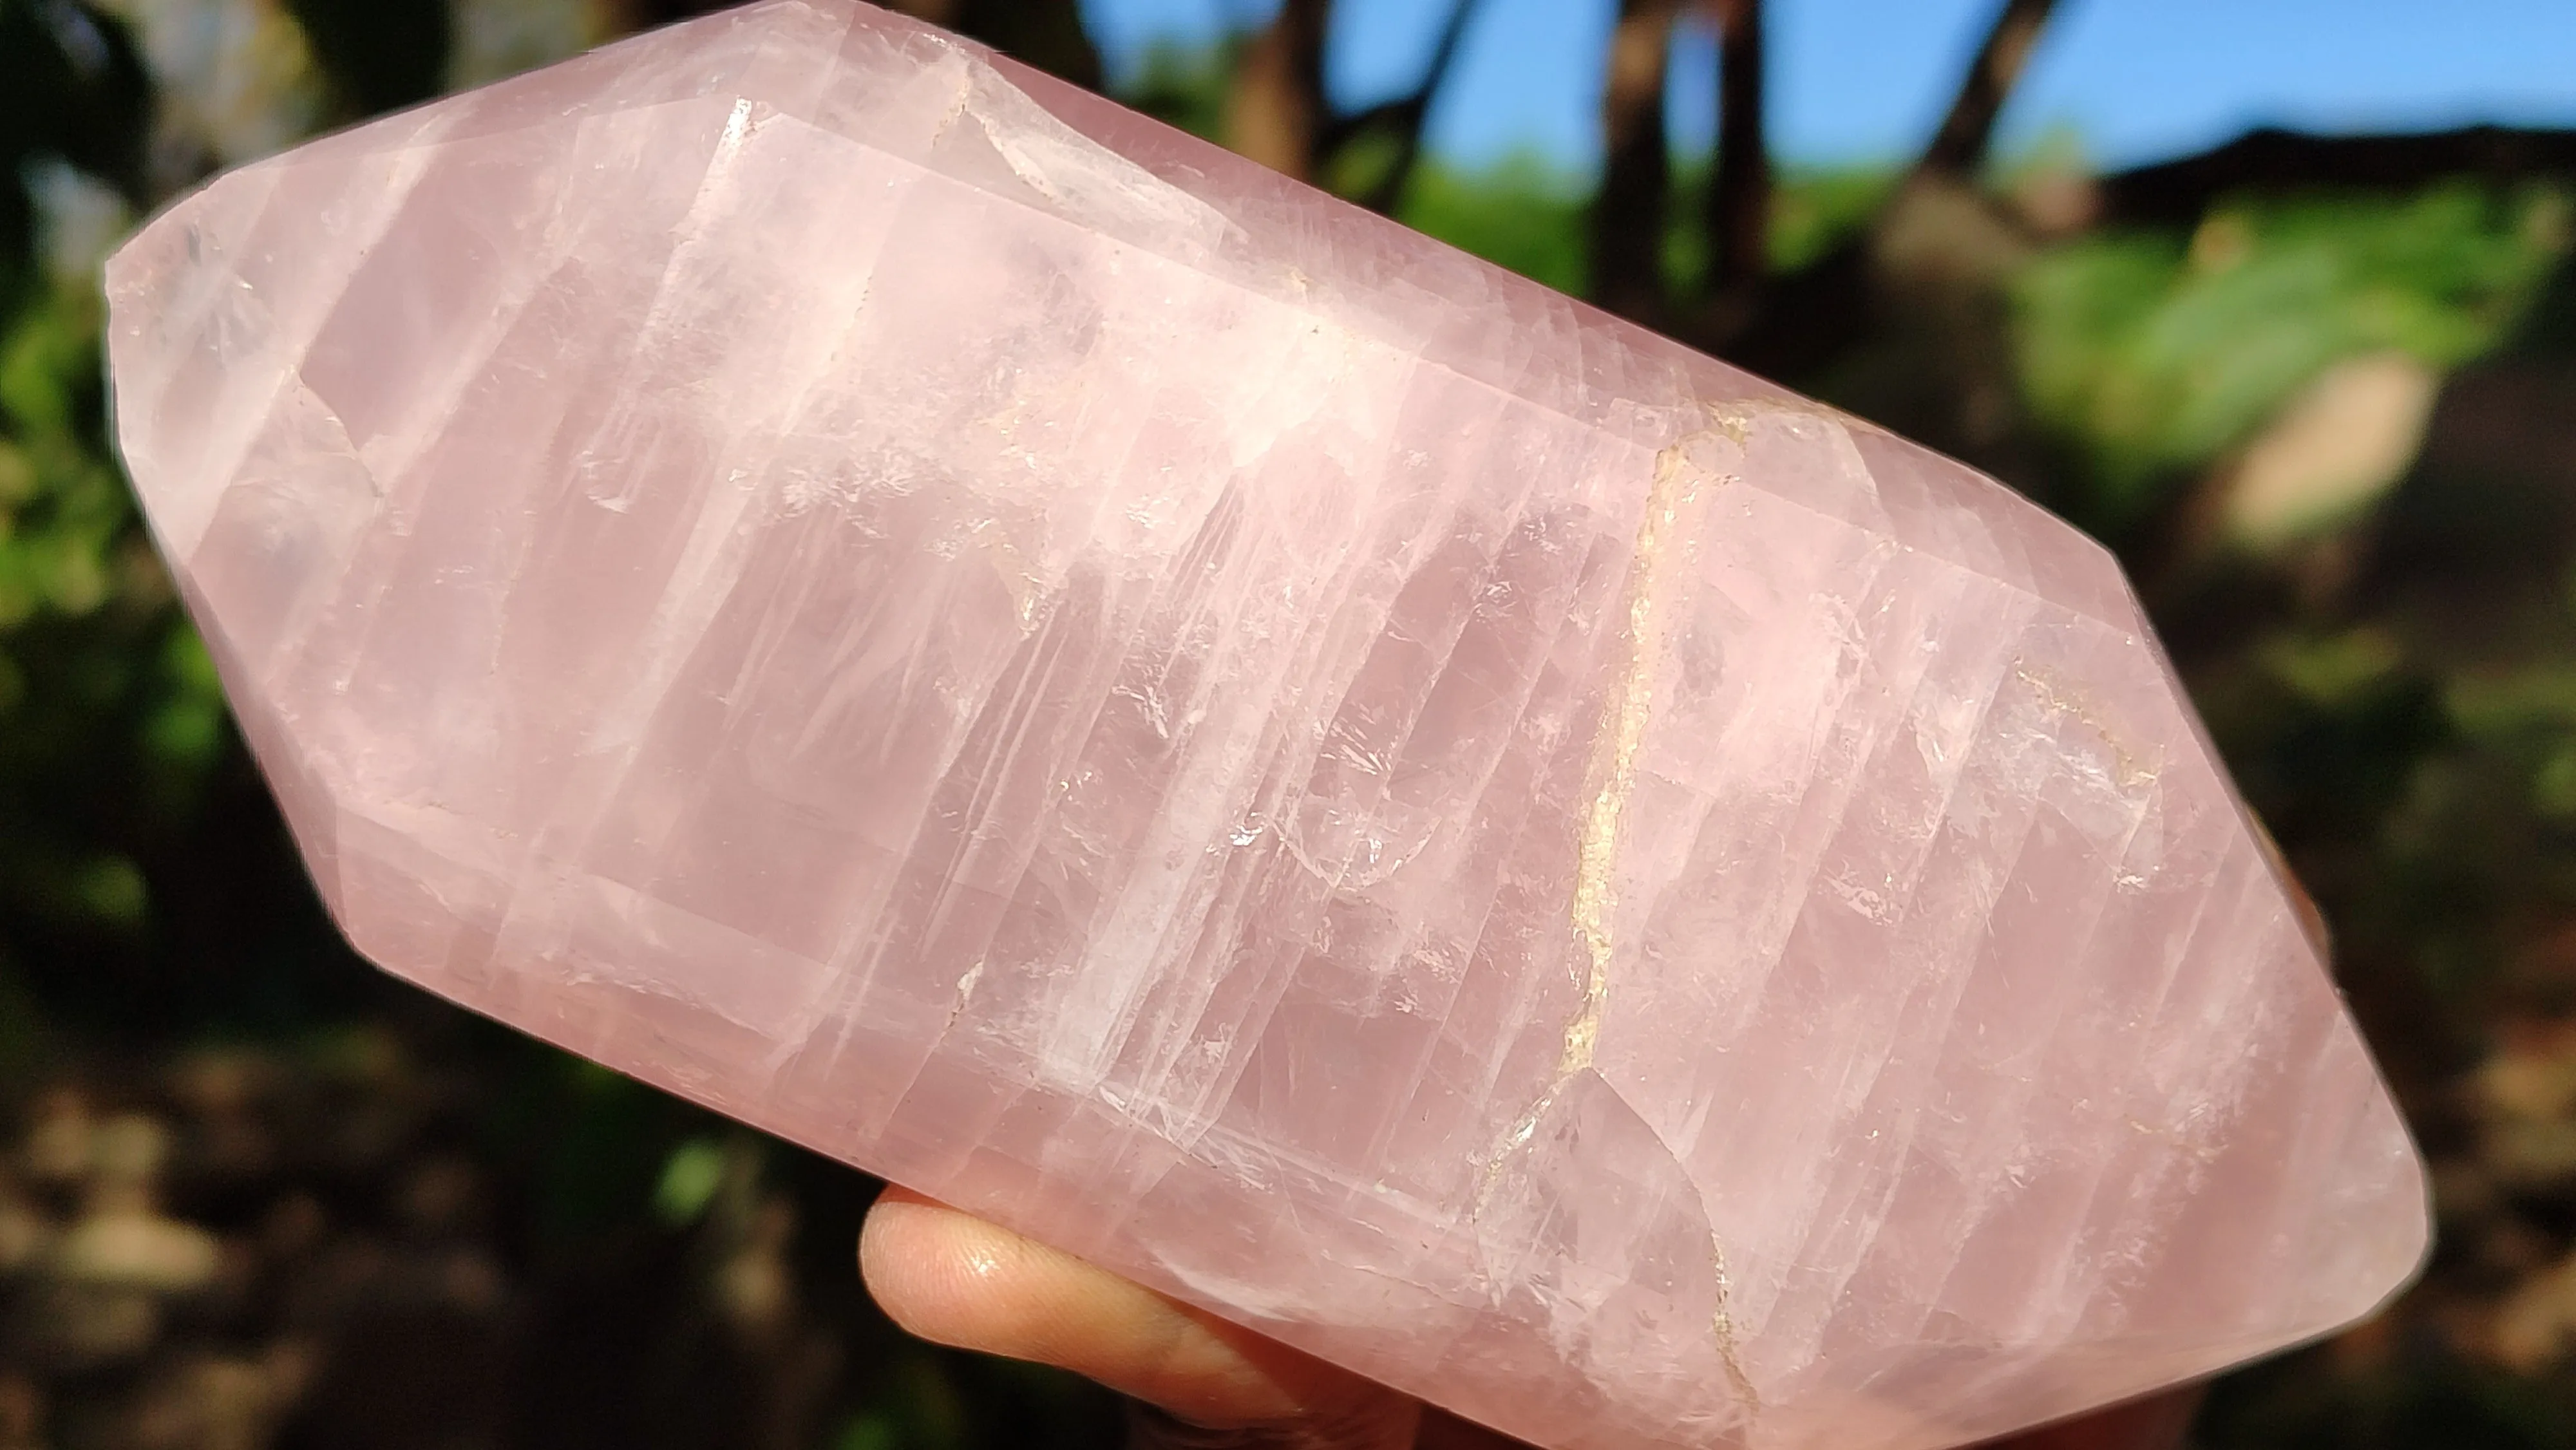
[918,608]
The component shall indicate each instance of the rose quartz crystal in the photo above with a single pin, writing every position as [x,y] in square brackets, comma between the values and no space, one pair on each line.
[913,606]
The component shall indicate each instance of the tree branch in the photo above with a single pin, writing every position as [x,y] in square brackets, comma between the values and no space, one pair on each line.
[1739,191]
[1629,213]
[1959,148]
[1405,114]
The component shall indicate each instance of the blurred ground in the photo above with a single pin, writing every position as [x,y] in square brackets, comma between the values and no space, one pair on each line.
[2320,394]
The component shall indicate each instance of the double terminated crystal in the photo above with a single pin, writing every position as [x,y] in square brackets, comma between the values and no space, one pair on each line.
[915,607]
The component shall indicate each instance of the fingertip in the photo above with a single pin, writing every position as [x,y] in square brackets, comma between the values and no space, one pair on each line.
[917,1258]
[954,1279]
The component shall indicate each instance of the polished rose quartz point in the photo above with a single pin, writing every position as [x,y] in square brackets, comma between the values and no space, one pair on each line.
[928,612]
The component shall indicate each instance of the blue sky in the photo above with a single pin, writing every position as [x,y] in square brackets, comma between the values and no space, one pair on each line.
[1862,80]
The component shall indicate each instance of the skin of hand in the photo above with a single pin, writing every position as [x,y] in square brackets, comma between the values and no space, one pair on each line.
[1201,1383]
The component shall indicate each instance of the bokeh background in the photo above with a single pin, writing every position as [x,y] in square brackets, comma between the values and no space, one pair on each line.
[2273,295]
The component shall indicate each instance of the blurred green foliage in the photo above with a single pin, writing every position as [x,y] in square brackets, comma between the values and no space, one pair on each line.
[111,724]
[110,716]
[1521,215]
[2152,352]
[1184,86]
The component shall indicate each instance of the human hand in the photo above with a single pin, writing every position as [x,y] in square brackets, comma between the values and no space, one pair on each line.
[1201,1383]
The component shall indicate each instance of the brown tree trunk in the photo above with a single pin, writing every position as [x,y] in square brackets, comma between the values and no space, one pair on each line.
[1739,192]
[1275,113]
[1630,212]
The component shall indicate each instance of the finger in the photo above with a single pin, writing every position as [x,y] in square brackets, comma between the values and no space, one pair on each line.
[954,1279]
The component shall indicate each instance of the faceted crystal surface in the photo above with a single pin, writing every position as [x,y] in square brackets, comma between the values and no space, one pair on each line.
[923,610]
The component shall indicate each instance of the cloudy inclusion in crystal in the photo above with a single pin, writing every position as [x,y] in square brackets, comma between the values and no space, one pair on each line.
[928,612]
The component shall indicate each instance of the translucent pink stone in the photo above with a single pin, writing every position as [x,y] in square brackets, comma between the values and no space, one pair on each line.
[918,608]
